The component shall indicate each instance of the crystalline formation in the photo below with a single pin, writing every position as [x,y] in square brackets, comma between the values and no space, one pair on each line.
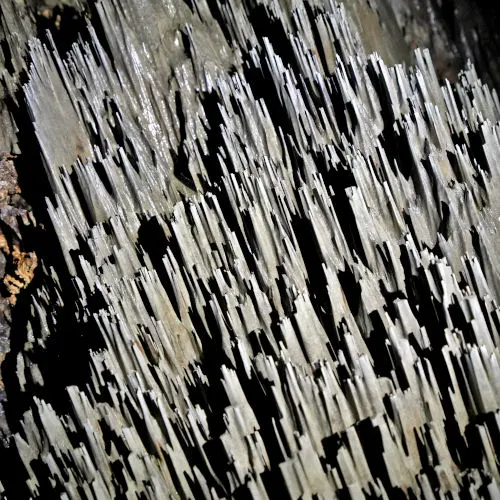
[266,255]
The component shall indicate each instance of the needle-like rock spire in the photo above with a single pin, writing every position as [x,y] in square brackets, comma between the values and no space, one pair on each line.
[267,255]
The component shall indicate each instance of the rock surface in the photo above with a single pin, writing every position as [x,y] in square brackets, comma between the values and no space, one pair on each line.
[269,260]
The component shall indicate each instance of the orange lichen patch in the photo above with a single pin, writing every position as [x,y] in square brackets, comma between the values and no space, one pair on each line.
[26,263]
[13,285]
[4,245]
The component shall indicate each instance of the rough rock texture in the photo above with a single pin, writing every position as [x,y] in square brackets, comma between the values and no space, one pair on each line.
[16,265]
[454,31]
[270,263]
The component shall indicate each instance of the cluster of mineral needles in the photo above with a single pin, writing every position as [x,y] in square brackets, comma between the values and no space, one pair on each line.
[267,258]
